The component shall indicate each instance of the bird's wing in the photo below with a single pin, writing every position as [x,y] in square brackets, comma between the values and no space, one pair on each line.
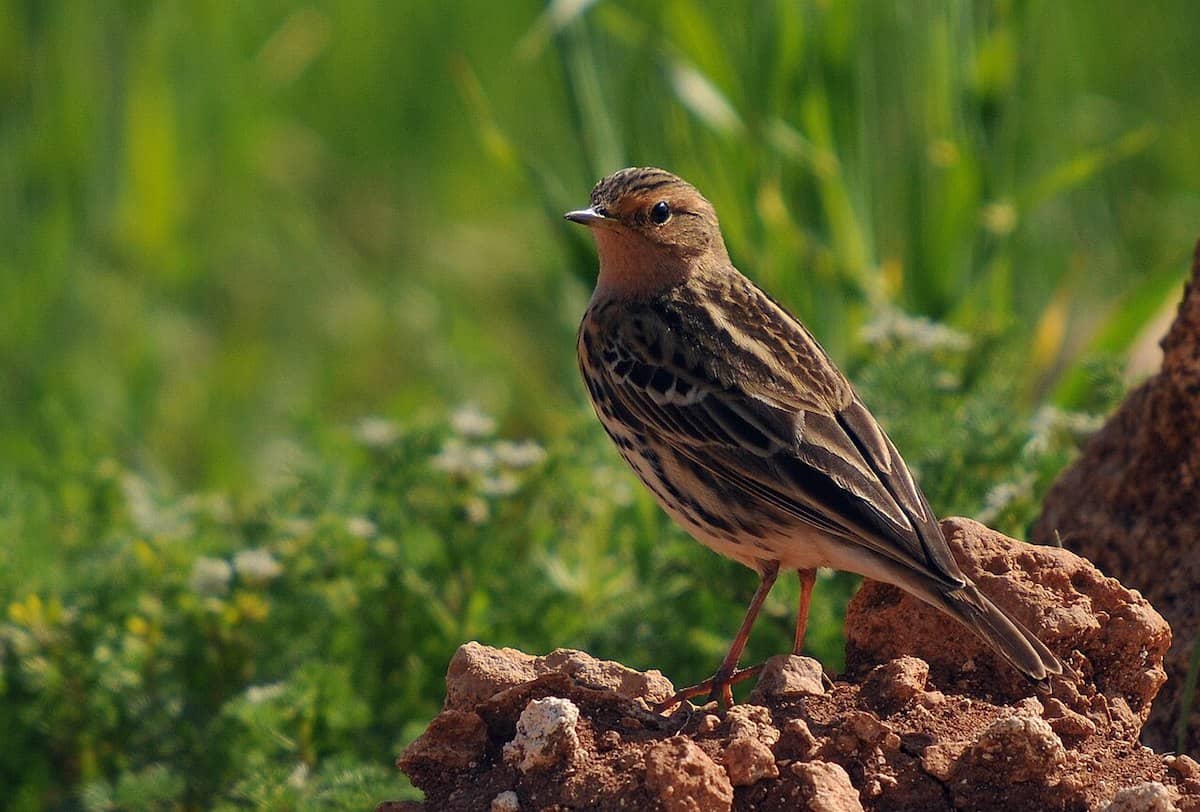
[768,437]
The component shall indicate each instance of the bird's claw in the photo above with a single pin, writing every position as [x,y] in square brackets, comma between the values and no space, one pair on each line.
[718,689]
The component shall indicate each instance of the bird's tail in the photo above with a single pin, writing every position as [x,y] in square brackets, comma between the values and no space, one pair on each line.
[1010,639]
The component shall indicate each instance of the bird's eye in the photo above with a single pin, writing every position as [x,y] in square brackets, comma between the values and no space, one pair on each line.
[660,212]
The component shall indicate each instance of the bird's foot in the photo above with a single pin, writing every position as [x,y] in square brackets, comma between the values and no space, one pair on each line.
[718,689]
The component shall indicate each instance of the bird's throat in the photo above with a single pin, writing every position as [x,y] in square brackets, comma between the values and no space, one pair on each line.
[632,267]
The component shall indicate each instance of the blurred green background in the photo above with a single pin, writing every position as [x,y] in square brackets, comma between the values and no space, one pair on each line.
[288,400]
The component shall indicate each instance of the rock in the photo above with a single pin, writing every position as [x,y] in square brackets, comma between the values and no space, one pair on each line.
[751,722]
[788,675]
[1129,504]
[683,778]
[477,673]
[1183,765]
[748,761]
[1060,597]
[940,760]
[545,736]
[860,728]
[1148,797]
[880,738]
[1066,722]
[1016,748]
[748,758]
[506,801]
[828,787]
[454,740]
[796,741]
[896,682]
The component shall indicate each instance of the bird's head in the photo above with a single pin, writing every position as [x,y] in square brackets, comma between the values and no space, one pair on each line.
[652,230]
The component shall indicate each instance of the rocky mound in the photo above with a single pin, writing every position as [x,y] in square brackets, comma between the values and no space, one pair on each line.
[1131,504]
[925,718]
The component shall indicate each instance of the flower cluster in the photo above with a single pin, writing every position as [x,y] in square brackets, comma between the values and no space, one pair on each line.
[211,577]
[1050,422]
[892,327]
[489,467]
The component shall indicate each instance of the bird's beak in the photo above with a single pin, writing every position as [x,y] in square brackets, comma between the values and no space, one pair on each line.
[586,217]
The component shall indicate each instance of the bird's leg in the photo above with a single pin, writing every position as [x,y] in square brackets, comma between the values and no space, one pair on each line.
[721,685]
[807,579]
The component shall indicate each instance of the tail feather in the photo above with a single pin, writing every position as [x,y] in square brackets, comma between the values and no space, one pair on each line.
[1006,636]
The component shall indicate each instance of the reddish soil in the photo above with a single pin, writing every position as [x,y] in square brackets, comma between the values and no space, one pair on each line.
[925,719]
[1131,504]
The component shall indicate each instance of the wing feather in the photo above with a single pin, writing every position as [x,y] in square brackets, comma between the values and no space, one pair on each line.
[831,468]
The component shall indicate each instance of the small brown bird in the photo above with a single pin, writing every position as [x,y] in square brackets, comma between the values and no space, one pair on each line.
[744,430]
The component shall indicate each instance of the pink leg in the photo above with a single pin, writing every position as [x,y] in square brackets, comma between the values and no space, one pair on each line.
[807,579]
[720,686]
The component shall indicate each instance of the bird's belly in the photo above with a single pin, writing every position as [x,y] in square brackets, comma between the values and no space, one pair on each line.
[746,531]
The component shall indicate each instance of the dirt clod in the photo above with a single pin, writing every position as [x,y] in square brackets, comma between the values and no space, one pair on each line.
[1024,747]
[788,675]
[924,719]
[827,787]
[1148,797]
[1130,505]
[683,778]
[545,735]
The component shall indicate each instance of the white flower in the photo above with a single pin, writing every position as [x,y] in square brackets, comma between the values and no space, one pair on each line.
[1003,495]
[257,694]
[1049,420]
[894,327]
[376,432]
[456,457]
[361,526]
[210,576]
[477,510]
[469,421]
[256,566]
[299,776]
[500,485]
[522,454]
[296,526]
[999,217]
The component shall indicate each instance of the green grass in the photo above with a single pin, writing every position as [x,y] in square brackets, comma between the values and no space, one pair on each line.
[229,233]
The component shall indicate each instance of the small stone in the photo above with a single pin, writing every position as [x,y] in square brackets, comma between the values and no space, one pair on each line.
[751,721]
[748,761]
[708,723]
[647,687]
[1183,765]
[866,727]
[546,734]
[1027,745]
[478,672]
[453,741]
[684,779]
[940,760]
[786,675]
[1148,797]
[896,682]
[608,740]
[506,801]
[797,741]
[827,787]
[1067,722]
[1029,706]
[931,699]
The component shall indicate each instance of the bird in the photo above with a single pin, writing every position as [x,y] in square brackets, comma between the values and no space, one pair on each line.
[745,431]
